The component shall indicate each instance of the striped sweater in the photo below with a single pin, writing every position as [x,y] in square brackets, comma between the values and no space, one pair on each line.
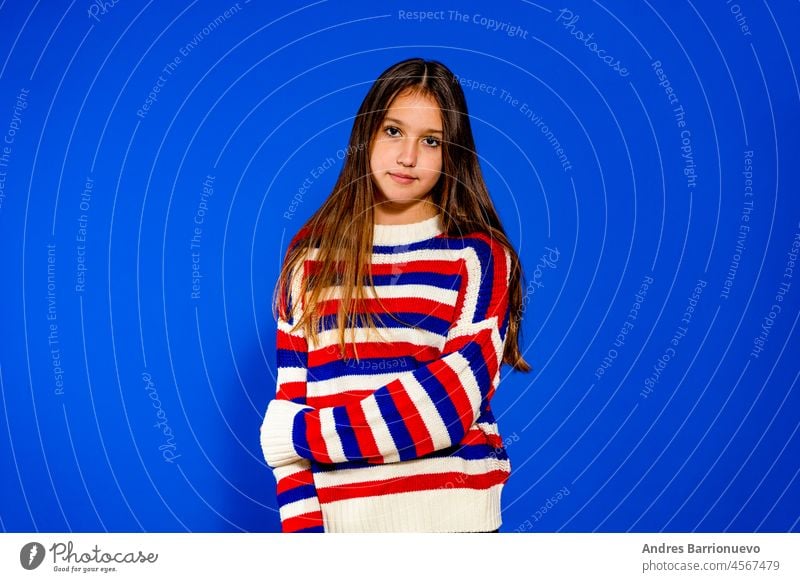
[403,439]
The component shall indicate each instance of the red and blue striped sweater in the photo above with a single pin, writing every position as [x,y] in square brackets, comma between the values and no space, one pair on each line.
[403,439]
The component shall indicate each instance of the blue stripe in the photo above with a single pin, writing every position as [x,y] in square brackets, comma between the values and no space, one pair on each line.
[287,291]
[484,253]
[299,436]
[442,281]
[338,368]
[424,321]
[441,399]
[397,427]
[486,415]
[505,323]
[296,494]
[291,359]
[344,429]
[473,354]
[394,249]
[467,452]
[471,452]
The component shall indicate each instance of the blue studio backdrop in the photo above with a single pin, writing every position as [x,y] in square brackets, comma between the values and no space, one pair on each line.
[157,157]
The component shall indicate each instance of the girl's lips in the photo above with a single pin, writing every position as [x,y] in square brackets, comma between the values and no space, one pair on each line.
[401,179]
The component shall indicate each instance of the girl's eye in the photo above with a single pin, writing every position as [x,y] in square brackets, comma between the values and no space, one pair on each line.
[430,141]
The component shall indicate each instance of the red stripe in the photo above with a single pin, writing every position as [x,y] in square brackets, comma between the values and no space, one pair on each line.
[488,355]
[342,399]
[439,266]
[366,442]
[450,480]
[395,305]
[490,358]
[499,299]
[456,392]
[443,266]
[289,482]
[299,522]
[319,450]
[285,341]
[482,336]
[291,390]
[411,418]
[494,441]
[461,293]
[497,306]
[421,353]
[473,437]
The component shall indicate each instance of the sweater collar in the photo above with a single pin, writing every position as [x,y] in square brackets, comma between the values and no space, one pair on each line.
[397,234]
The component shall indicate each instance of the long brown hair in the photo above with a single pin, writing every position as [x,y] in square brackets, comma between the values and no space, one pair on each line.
[341,230]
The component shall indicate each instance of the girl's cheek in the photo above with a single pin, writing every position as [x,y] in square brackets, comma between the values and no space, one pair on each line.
[383,154]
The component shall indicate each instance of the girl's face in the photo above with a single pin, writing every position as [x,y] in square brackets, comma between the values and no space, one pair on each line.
[406,157]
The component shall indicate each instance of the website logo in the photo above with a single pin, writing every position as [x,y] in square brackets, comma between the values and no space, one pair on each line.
[31,555]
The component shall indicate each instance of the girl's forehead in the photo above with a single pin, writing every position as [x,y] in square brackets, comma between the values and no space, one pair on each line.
[407,107]
[415,99]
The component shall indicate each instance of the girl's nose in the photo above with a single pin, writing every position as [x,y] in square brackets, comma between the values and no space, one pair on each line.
[408,153]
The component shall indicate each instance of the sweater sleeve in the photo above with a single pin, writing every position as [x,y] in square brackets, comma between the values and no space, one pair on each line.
[422,410]
[298,504]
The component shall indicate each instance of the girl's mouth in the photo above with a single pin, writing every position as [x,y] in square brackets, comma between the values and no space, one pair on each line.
[400,179]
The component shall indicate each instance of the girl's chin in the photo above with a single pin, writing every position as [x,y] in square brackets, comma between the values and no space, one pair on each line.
[389,201]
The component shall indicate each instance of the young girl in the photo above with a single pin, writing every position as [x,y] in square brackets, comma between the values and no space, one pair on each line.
[390,429]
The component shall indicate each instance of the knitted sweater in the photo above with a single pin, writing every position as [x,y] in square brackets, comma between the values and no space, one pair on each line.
[404,439]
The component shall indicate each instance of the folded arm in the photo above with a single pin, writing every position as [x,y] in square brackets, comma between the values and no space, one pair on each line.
[419,411]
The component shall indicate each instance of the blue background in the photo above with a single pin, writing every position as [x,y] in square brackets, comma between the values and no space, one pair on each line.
[258,99]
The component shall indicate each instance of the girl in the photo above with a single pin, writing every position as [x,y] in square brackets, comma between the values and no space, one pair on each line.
[391,429]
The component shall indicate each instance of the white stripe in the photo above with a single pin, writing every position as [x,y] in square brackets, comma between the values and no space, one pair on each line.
[472,329]
[330,337]
[295,292]
[460,366]
[507,255]
[443,254]
[488,428]
[287,327]
[338,385]
[330,436]
[427,410]
[291,374]
[433,510]
[409,468]
[417,255]
[473,269]
[353,382]
[299,507]
[373,381]
[284,471]
[383,438]
[432,292]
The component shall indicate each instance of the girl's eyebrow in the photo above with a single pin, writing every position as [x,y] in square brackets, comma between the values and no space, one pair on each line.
[398,122]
